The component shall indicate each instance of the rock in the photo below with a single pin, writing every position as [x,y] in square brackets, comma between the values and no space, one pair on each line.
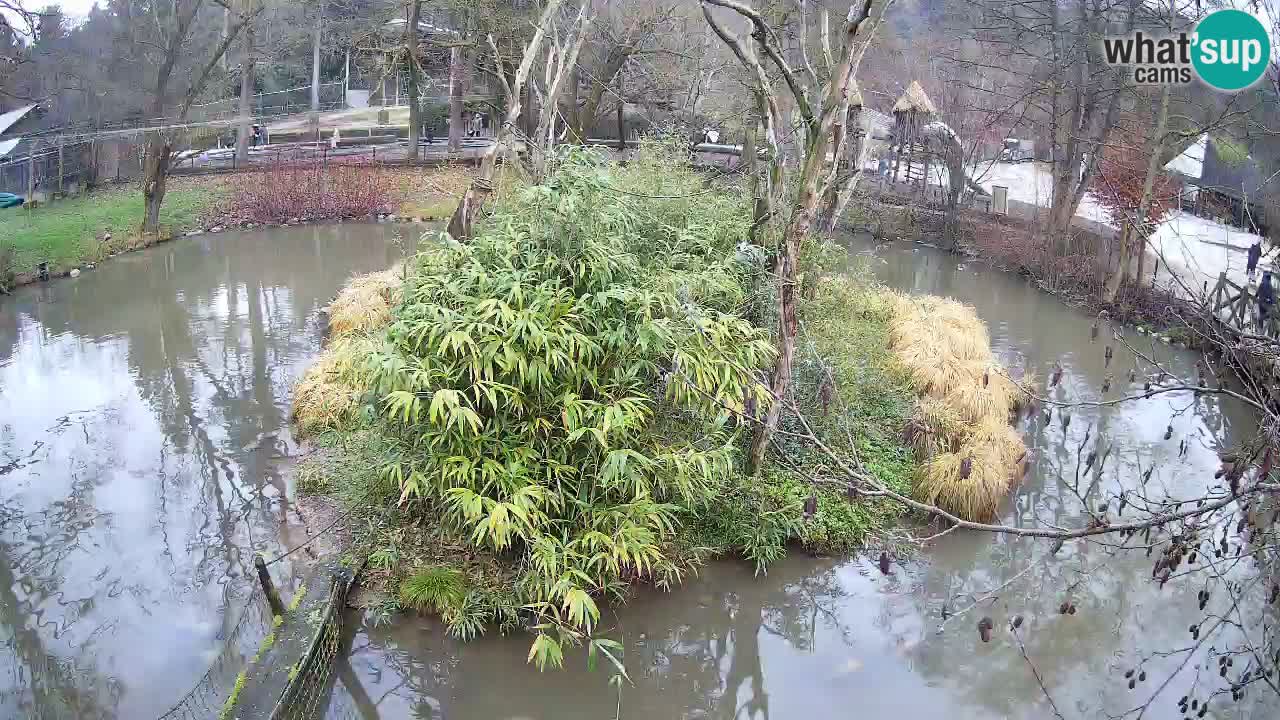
[106,236]
[293,221]
[215,229]
[392,218]
[75,272]
[90,266]
[251,225]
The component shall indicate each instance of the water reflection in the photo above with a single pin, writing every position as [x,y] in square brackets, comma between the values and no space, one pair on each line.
[831,638]
[142,437]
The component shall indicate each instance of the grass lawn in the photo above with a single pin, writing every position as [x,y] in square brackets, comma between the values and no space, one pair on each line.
[67,232]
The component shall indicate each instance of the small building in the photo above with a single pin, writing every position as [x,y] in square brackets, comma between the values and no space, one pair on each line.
[910,113]
[15,146]
[1221,181]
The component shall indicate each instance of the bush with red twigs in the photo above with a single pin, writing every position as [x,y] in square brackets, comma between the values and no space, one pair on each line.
[1121,174]
[312,190]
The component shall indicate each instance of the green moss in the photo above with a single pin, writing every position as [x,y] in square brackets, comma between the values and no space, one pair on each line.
[297,598]
[267,642]
[234,697]
[1230,151]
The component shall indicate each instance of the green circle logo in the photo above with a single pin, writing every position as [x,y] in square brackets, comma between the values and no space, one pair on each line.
[1232,50]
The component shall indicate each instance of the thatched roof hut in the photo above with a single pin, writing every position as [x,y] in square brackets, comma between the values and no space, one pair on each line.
[914,100]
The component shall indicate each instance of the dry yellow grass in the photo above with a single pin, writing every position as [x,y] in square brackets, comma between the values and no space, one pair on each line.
[330,389]
[365,303]
[961,426]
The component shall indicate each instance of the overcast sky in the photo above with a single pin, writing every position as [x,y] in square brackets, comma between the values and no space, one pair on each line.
[74,8]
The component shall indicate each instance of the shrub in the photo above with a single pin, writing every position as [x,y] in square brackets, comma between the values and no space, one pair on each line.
[312,190]
[558,386]
[6,266]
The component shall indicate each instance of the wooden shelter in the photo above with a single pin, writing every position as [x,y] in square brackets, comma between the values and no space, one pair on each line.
[912,111]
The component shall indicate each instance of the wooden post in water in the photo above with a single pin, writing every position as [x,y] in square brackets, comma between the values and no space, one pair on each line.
[268,587]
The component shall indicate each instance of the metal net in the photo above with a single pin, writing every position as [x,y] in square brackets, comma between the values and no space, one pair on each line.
[311,682]
[239,645]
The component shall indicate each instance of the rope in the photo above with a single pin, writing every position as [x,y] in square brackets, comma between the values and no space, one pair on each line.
[327,528]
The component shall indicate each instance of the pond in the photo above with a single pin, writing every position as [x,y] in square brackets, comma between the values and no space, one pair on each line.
[143,443]
[833,637]
[144,457]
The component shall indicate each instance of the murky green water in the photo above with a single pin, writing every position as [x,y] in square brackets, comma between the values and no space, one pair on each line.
[143,430]
[143,448]
[833,638]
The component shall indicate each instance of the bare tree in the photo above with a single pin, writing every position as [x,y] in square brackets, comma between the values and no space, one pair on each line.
[819,108]
[469,206]
[163,32]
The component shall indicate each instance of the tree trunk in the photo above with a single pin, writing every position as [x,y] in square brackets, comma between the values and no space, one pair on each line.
[1138,227]
[455,99]
[575,121]
[847,183]
[1112,288]
[153,182]
[245,130]
[463,220]
[622,120]
[411,47]
[315,59]
[787,268]
[585,112]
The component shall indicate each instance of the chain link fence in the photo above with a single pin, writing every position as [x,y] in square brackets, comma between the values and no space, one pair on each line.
[307,696]
[239,645]
[50,166]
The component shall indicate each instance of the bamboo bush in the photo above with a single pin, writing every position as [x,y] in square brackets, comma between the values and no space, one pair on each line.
[560,387]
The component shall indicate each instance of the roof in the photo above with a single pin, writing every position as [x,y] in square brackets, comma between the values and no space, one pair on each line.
[877,124]
[7,146]
[8,119]
[423,26]
[915,100]
[1190,162]
[1228,173]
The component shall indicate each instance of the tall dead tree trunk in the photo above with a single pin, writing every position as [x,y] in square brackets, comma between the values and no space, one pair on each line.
[463,220]
[622,120]
[455,98]
[415,78]
[560,67]
[315,58]
[245,129]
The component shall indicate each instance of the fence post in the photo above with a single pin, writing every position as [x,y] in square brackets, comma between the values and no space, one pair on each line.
[60,165]
[268,587]
[31,174]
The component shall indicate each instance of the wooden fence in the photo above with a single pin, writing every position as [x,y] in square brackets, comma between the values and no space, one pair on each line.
[1237,307]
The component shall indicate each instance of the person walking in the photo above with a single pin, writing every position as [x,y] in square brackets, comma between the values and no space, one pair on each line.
[1255,254]
[1266,301]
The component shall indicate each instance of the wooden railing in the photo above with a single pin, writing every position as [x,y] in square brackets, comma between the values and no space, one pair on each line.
[1237,307]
